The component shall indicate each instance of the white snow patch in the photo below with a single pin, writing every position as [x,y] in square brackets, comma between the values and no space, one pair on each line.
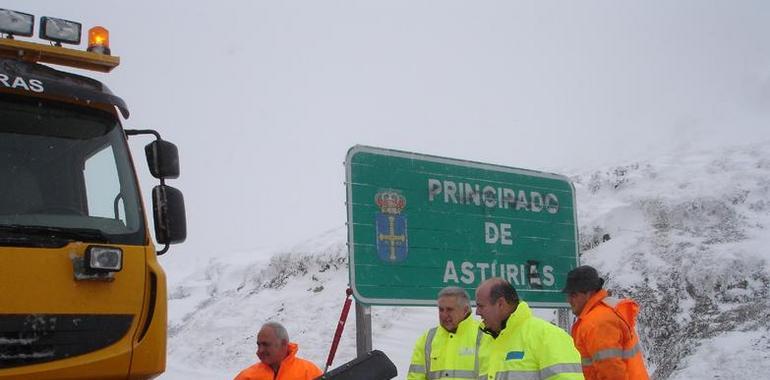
[732,355]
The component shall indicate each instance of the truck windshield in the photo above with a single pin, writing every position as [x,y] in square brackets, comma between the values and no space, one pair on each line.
[65,175]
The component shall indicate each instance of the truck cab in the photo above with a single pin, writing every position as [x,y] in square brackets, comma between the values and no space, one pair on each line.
[82,295]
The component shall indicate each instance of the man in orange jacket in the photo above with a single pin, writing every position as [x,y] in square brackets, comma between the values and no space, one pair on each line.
[605,331]
[278,358]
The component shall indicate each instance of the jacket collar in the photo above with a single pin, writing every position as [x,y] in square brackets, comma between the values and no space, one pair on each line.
[593,301]
[468,320]
[522,313]
[293,348]
[290,356]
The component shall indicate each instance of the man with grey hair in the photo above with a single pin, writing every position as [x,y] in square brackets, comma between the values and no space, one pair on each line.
[278,360]
[452,350]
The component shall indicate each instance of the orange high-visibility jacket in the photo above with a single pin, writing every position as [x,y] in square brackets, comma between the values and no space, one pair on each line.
[292,368]
[605,335]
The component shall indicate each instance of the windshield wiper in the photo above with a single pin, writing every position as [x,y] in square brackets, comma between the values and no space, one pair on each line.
[54,233]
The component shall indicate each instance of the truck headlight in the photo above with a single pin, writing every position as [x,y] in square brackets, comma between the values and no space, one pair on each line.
[104,259]
[16,23]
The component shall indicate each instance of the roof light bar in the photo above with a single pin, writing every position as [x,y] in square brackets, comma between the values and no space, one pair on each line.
[60,30]
[16,23]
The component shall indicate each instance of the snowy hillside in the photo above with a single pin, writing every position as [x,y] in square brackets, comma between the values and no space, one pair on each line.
[689,240]
[685,234]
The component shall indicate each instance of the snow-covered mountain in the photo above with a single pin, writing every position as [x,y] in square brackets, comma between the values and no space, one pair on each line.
[686,235]
[689,239]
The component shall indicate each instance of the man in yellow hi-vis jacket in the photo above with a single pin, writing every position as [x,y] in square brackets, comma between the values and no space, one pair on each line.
[450,351]
[524,346]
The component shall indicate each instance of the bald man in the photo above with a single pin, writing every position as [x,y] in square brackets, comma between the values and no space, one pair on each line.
[524,346]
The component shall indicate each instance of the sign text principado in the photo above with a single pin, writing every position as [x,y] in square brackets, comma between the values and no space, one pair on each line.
[418,223]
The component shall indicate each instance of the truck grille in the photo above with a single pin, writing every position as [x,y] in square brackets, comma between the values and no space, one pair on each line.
[37,338]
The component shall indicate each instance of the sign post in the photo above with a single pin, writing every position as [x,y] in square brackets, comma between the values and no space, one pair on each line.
[418,223]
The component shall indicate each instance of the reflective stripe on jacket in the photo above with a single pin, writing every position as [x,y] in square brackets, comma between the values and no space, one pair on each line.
[530,348]
[292,368]
[440,354]
[605,335]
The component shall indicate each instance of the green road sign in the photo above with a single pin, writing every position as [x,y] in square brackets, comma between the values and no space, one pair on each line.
[418,223]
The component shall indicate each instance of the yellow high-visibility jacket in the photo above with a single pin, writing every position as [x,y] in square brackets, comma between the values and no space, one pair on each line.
[440,354]
[531,348]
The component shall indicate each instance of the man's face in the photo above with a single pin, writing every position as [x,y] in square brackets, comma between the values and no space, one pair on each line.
[450,313]
[270,349]
[491,313]
[577,301]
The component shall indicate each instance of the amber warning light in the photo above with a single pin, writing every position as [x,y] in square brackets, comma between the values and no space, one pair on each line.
[99,40]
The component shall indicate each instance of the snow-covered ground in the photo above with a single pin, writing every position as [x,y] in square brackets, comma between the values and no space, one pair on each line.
[684,234]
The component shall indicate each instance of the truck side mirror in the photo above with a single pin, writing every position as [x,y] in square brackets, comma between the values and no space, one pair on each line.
[168,211]
[163,159]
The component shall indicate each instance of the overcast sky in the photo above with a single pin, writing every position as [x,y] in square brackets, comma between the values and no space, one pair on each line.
[265,98]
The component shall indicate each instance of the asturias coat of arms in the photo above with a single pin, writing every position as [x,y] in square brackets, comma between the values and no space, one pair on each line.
[391,226]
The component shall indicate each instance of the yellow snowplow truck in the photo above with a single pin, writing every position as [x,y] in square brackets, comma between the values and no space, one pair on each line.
[82,295]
